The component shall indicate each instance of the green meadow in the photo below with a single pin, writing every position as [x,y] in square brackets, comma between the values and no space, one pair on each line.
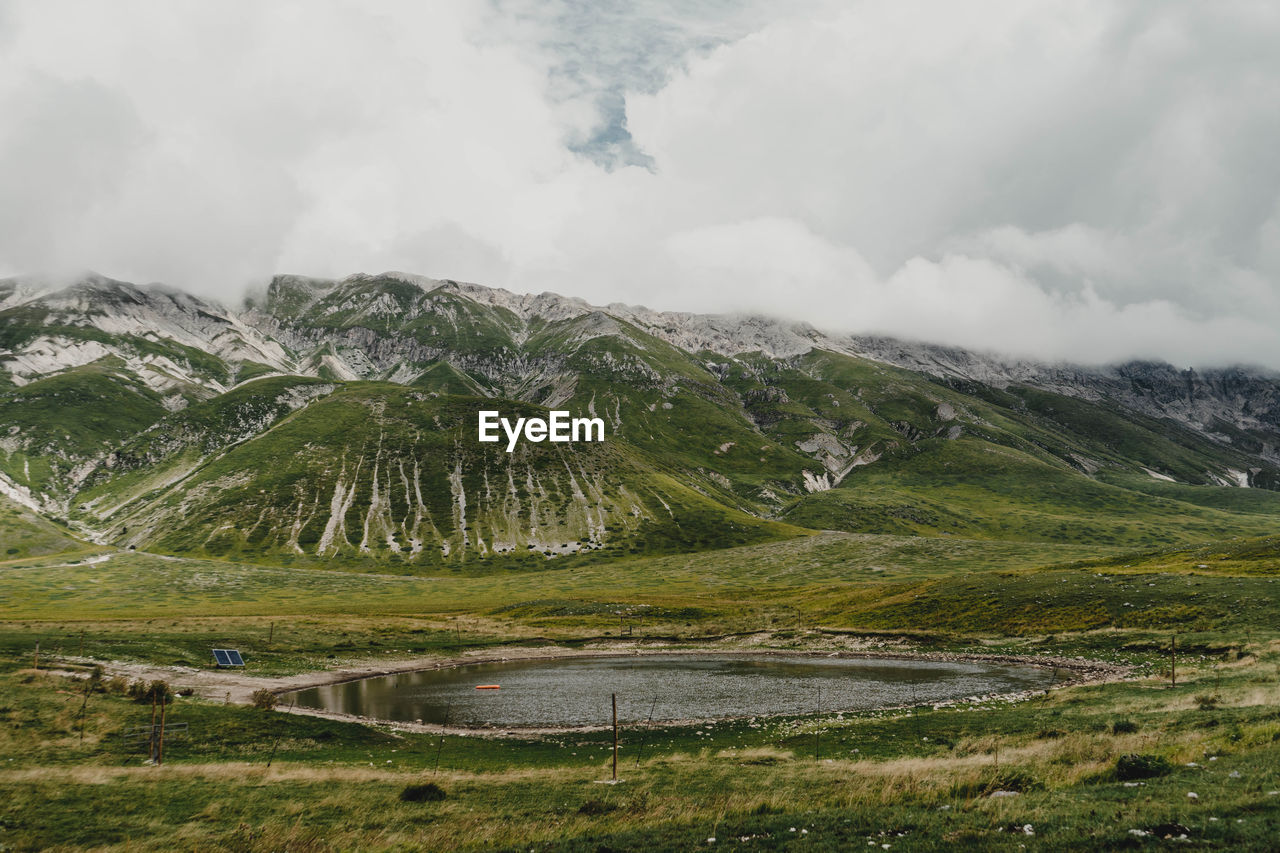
[1084,767]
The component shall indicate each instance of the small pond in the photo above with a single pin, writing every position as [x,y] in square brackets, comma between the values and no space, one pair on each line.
[576,691]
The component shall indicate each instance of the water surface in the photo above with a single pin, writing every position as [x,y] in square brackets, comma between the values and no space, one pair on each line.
[576,691]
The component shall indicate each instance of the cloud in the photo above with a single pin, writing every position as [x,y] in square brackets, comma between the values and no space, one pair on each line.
[65,146]
[1068,180]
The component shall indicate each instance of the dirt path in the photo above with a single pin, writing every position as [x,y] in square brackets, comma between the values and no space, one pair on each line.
[237,686]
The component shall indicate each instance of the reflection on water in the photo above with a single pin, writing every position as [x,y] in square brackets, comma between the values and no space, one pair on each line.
[576,692]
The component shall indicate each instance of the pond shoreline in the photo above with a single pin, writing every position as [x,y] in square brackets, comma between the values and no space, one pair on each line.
[238,687]
[1076,671]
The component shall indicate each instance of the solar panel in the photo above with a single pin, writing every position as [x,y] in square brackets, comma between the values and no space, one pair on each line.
[228,657]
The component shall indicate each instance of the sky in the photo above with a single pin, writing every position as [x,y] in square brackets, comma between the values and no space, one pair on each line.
[1077,180]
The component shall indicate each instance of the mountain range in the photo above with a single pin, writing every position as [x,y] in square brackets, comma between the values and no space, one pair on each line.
[335,420]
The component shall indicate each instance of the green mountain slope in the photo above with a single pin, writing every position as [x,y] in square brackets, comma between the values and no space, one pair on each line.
[977,489]
[178,443]
[333,421]
[23,533]
[383,474]
[653,394]
[57,428]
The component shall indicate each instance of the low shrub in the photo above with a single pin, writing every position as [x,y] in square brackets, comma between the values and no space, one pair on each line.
[264,700]
[428,793]
[1134,766]
[155,691]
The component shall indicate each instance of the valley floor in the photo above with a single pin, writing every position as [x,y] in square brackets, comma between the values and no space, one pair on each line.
[1114,764]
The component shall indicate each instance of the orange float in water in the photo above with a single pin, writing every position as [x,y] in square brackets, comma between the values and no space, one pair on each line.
[487,687]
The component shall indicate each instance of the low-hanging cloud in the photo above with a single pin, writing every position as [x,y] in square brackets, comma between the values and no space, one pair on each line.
[1067,180]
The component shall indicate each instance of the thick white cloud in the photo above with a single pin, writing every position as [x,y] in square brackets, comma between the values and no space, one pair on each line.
[1075,179]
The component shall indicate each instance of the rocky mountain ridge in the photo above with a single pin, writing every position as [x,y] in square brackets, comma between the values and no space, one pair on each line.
[249,333]
[119,401]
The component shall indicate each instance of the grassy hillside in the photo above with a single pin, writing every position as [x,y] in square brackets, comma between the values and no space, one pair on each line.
[866,409]
[1258,556]
[386,474]
[708,450]
[733,583]
[974,488]
[662,400]
[25,534]
[178,443]
[1248,501]
[57,424]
